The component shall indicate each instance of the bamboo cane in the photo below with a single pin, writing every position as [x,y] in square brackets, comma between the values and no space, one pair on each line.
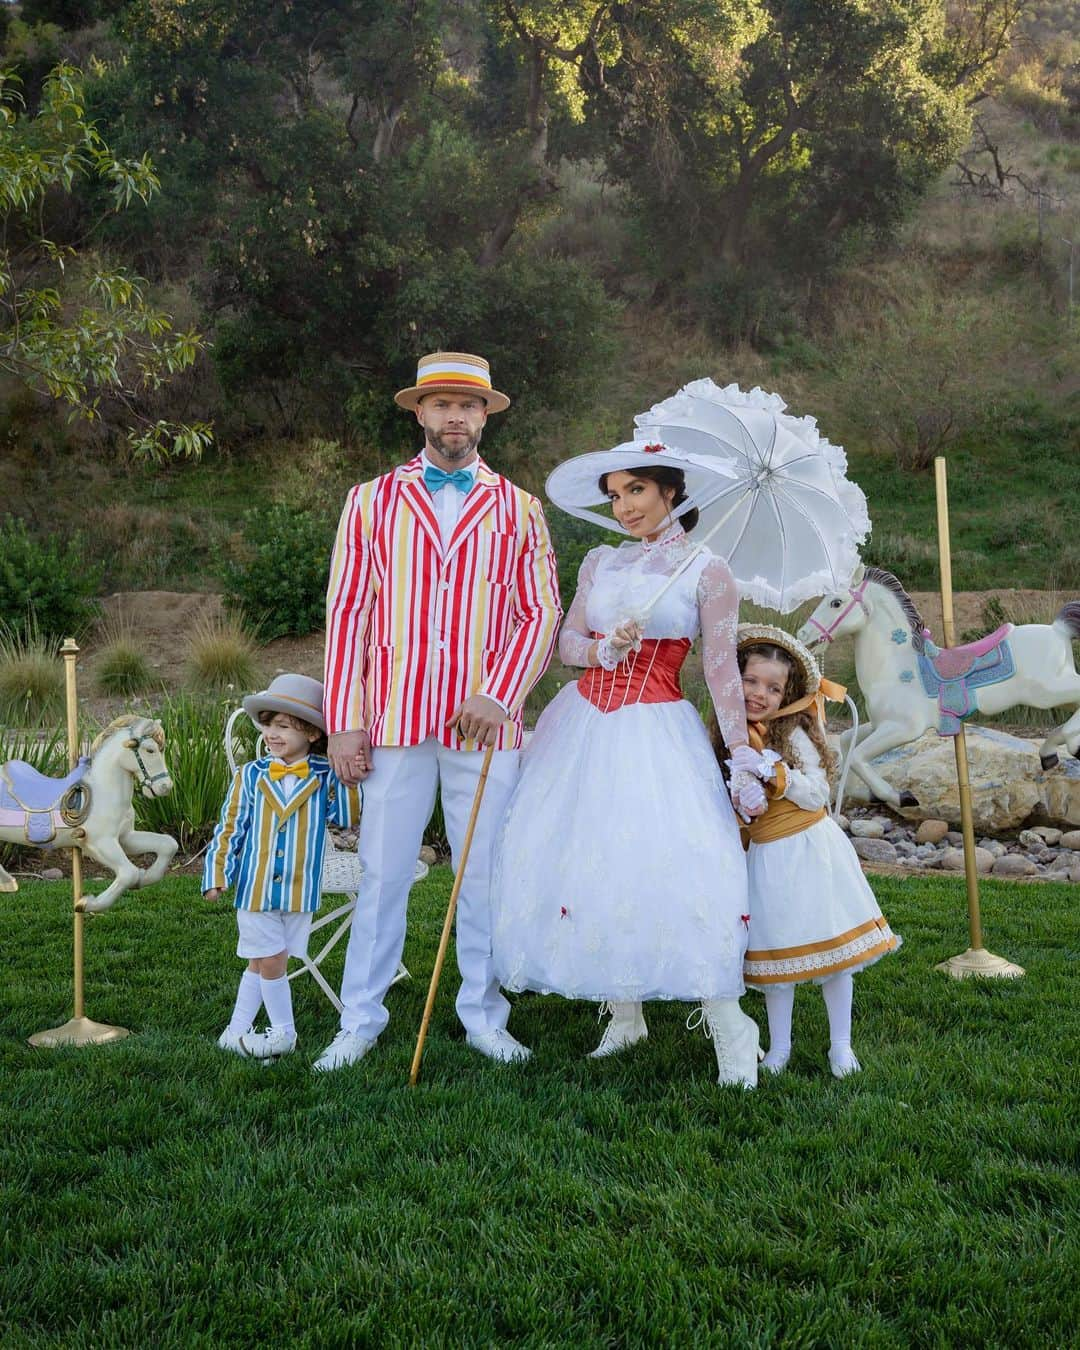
[976,960]
[79,1029]
[448,922]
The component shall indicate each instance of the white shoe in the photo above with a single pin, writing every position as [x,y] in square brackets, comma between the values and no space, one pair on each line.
[346,1048]
[626,1028]
[735,1040]
[844,1063]
[776,1061]
[229,1040]
[499,1045]
[269,1044]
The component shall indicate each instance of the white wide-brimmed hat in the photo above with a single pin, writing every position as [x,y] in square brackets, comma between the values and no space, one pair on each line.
[574,485]
[298,695]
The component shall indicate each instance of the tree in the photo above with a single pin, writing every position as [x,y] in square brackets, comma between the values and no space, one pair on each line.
[71,327]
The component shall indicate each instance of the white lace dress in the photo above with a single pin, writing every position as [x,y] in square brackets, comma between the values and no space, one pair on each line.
[619,874]
[813,912]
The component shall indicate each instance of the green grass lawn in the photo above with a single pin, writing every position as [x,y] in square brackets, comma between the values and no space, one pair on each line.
[159,1192]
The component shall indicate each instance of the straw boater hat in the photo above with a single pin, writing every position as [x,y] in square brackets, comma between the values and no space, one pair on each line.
[298,695]
[452,373]
[575,484]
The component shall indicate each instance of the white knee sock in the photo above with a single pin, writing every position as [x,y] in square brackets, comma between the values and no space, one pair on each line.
[278,999]
[779,1004]
[248,1002]
[837,992]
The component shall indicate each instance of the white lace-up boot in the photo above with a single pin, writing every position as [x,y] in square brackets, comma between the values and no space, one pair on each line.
[626,1028]
[734,1038]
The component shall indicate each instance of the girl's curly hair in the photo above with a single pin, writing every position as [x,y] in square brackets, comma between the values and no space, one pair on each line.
[778,729]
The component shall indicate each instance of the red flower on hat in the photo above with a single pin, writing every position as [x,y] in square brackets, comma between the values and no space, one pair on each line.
[654,449]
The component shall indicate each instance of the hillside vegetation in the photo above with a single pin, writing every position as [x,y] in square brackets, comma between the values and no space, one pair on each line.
[607,202]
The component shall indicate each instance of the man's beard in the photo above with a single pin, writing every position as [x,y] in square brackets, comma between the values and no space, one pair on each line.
[462,451]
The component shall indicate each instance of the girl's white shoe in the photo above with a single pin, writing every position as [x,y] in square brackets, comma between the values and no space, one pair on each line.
[843,1062]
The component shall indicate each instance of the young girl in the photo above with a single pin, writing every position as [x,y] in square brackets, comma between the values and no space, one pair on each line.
[269,845]
[812,914]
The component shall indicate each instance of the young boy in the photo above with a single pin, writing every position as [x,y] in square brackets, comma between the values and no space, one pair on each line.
[269,844]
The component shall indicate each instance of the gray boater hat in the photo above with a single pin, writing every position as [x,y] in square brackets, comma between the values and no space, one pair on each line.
[298,695]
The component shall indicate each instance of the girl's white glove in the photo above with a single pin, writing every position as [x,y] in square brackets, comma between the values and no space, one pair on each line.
[747,795]
[760,763]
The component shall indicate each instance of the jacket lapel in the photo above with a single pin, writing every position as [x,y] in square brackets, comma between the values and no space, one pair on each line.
[286,810]
[418,499]
[478,503]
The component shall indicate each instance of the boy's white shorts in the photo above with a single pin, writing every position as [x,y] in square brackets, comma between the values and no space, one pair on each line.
[272,932]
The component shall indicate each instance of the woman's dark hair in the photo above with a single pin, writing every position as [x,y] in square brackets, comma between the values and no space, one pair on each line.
[665,477]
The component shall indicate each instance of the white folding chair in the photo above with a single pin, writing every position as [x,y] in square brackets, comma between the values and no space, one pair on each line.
[341,876]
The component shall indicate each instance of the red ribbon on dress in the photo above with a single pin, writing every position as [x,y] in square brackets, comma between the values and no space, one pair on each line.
[648,676]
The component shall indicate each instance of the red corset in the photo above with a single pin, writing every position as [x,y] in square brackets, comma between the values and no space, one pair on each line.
[648,676]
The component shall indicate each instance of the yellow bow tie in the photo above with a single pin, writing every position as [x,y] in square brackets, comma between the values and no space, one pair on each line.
[278,770]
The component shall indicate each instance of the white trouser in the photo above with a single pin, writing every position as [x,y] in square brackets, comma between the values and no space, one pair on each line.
[399,797]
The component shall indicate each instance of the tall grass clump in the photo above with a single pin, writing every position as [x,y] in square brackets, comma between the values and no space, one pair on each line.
[195,753]
[31,678]
[221,655]
[122,666]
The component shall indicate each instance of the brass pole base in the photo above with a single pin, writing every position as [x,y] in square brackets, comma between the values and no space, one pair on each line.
[78,1031]
[979,962]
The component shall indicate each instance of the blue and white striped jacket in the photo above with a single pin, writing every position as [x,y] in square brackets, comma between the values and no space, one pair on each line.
[271,849]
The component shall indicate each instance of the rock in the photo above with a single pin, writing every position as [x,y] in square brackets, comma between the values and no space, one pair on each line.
[1030,839]
[952,860]
[1008,783]
[845,824]
[1048,834]
[1014,865]
[954,838]
[1070,839]
[873,828]
[1074,874]
[873,850]
[1065,861]
[931,832]
[428,855]
[52,874]
[904,847]
[925,850]
[994,846]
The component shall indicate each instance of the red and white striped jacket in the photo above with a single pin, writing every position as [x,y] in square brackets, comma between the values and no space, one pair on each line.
[411,632]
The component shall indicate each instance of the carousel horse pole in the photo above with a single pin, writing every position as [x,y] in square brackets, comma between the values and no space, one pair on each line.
[79,1029]
[976,960]
[448,922]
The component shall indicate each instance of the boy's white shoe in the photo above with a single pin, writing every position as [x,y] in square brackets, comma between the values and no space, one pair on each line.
[270,1044]
[231,1040]
[499,1045]
[346,1048]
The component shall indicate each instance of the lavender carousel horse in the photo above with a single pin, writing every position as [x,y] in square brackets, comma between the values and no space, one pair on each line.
[910,685]
[91,807]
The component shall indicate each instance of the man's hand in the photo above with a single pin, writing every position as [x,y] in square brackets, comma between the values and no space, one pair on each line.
[349,753]
[478,719]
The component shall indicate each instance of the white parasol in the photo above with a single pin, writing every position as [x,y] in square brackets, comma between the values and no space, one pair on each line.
[790,521]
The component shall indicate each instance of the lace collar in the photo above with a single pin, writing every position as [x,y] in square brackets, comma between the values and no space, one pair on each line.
[673,539]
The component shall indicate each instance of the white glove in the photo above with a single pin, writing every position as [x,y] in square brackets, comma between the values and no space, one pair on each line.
[624,638]
[745,759]
[747,795]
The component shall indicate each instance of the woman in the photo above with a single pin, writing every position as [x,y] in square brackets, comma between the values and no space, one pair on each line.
[619,875]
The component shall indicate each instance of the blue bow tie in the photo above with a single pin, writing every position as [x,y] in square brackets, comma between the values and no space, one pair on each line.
[434,479]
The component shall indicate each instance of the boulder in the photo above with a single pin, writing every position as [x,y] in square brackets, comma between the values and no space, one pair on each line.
[994,846]
[1065,861]
[1008,783]
[1014,865]
[952,860]
[931,832]
[868,829]
[1047,833]
[874,850]
[1070,839]
[52,874]
[1032,839]
[428,855]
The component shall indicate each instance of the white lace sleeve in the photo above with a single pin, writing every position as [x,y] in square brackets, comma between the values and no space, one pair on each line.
[718,606]
[574,639]
[808,786]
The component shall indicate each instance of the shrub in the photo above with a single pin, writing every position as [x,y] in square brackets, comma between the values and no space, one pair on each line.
[195,753]
[221,654]
[45,585]
[31,678]
[122,667]
[278,580]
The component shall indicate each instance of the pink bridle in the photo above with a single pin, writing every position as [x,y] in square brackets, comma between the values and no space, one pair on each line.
[856,594]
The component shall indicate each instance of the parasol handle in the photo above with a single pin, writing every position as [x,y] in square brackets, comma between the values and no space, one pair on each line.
[643,616]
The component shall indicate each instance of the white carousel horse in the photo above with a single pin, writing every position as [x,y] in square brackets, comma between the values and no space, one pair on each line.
[910,685]
[91,807]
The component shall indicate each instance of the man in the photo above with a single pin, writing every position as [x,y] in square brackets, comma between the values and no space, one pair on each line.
[442,613]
